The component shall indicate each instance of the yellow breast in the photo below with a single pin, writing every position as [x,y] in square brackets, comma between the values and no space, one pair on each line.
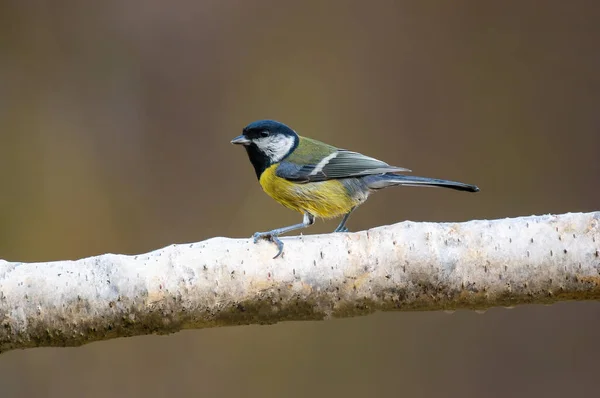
[326,199]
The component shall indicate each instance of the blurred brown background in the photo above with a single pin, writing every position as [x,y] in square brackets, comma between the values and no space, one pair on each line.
[115,121]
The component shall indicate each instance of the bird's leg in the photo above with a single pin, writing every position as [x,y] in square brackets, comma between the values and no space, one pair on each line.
[342,227]
[307,221]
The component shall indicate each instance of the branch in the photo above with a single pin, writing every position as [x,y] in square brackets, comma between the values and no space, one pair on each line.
[406,266]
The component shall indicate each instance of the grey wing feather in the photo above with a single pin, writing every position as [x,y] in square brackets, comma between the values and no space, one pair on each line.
[352,164]
[344,164]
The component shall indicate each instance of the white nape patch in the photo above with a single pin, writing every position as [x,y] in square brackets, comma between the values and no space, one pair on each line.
[275,146]
[319,167]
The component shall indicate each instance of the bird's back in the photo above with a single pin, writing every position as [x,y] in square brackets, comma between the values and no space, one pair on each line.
[310,151]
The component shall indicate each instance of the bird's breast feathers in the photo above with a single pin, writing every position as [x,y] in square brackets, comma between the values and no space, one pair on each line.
[325,199]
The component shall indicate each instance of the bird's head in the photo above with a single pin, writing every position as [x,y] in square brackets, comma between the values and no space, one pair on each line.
[267,142]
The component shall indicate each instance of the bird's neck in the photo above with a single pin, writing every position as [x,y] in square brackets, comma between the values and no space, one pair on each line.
[259,160]
[262,161]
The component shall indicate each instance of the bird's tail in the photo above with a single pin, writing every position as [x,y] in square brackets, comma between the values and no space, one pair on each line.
[387,180]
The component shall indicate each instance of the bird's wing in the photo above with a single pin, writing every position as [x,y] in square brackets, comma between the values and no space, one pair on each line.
[337,164]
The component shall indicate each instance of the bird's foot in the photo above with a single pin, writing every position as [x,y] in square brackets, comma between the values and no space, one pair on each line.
[342,229]
[270,236]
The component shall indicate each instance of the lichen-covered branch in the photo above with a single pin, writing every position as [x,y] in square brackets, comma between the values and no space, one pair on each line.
[407,266]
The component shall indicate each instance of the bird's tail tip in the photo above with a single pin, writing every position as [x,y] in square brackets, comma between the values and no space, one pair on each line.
[459,186]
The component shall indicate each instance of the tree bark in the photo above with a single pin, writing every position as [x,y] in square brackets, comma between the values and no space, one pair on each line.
[221,281]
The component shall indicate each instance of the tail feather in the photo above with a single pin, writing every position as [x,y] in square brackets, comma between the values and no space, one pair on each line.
[386,180]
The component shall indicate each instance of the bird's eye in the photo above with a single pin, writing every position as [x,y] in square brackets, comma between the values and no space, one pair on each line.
[264,133]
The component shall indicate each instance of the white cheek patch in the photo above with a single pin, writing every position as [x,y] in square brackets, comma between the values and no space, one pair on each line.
[275,147]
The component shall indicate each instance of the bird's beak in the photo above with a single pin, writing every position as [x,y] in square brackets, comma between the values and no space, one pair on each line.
[241,140]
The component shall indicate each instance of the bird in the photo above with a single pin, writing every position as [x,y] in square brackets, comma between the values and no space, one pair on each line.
[318,179]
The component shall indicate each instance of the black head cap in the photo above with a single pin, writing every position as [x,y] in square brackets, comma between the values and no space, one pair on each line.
[262,128]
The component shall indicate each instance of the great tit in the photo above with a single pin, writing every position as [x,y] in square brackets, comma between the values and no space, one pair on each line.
[317,179]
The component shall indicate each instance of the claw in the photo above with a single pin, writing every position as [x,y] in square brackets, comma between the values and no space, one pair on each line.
[272,238]
[279,244]
[343,229]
